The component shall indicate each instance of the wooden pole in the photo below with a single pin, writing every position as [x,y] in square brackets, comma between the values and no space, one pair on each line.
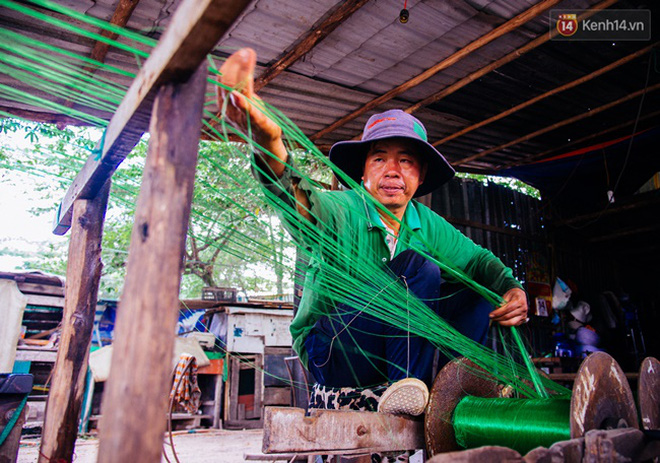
[135,398]
[120,18]
[485,39]
[309,41]
[82,283]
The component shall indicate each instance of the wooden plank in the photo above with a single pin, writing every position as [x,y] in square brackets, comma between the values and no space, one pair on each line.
[623,233]
[277,396]
[485,39]
[217,401]
[36,355]
[557,125]
[309,41]
[256,411]
[83,275]
[289,430]
[44,117]
[45,301]
[554,91]
[136,394]
[193,32]
[35,277]
[636,202]
[232,403]
[34,288]
[120,18]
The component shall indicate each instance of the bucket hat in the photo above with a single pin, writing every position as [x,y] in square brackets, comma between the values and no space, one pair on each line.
[350,155]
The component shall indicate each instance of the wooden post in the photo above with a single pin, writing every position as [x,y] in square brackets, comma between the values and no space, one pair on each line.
[82,283]
[135,398]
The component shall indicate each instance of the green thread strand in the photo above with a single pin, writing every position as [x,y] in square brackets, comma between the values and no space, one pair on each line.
[520,424]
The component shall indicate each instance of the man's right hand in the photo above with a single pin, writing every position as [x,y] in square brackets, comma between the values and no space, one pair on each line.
[238,72]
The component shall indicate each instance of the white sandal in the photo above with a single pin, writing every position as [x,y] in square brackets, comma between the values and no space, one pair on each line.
[405,397]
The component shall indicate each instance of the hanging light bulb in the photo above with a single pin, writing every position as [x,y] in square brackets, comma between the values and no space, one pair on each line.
[404,14]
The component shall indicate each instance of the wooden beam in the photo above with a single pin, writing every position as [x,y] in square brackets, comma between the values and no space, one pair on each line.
[543,38]
[33,288]
[36,278]
[309,41]
[485,39]
[119,18]
[624,233]
[136,394]
[552,127]
[287,429]
[528,159]
[44,117]
[193,32]
[82,284]
[100,49]
[554,91]
[612,210]
[490,228]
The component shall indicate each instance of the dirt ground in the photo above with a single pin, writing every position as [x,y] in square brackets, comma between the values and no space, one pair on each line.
[202,446]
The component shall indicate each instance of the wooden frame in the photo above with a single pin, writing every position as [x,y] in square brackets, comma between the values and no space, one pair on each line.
[173,82]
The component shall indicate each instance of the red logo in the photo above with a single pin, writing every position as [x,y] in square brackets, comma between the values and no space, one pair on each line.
[378,121]
[567,24]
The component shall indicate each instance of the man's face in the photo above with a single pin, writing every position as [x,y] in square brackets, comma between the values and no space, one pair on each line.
[393,172]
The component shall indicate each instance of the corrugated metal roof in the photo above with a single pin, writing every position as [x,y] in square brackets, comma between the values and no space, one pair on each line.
[371,52]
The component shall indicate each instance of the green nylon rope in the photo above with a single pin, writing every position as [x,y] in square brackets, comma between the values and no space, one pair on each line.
[520,424]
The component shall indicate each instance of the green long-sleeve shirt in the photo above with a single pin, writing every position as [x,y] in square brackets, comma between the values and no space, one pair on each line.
[356,232]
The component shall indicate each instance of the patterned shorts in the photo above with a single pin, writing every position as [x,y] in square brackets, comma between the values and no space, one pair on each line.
[346,398]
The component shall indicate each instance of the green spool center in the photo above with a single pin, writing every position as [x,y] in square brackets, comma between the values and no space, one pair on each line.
[519,424]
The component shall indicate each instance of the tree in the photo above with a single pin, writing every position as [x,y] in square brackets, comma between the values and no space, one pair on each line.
[234,238]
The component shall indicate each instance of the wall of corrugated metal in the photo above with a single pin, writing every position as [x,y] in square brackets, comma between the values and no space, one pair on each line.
[511,225]
[507,222]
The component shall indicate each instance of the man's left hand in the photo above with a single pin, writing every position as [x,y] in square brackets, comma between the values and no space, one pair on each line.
[514,310]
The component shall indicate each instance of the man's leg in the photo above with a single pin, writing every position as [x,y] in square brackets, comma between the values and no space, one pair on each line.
[353,348]
[409,355]
[458,305]
[347,349]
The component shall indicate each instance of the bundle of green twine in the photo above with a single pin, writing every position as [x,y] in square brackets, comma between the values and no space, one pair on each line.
[519,424]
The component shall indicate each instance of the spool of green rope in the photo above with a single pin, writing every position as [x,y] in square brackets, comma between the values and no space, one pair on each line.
[520,424]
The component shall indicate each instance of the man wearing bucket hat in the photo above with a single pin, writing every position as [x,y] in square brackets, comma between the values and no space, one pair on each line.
[395,163]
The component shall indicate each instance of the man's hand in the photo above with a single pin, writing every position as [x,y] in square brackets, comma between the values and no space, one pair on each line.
[514,310]
[238,72]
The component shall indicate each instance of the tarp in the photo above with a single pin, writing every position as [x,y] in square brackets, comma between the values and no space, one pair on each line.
[579,180]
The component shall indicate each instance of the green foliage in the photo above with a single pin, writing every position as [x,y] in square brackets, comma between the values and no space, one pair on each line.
[509,182]
[224,217]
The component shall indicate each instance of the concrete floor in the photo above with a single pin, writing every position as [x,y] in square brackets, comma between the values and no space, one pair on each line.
[204,446]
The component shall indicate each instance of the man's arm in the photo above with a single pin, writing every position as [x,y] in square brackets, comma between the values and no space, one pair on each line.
[238,72]
[514,310]
[488,270]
